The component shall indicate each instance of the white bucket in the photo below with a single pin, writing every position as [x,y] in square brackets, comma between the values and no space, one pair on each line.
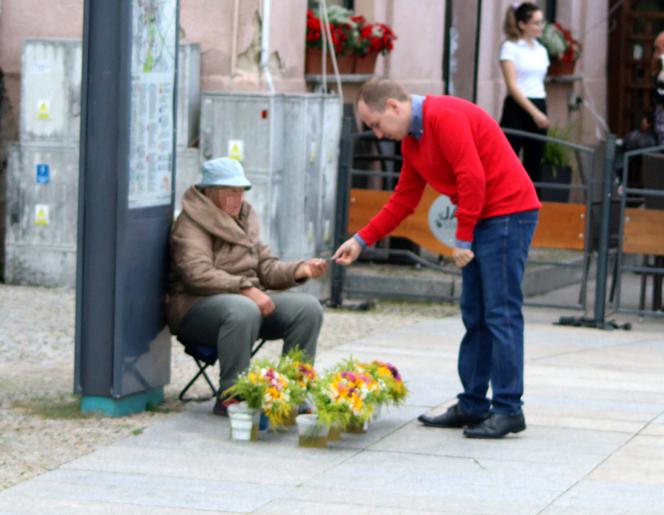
[242,421]
[375,416]
[310,431]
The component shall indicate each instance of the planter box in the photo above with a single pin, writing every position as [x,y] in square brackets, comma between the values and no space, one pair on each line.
[557,175]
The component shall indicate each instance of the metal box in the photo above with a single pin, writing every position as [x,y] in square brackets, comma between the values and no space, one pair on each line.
[187,172]
[51,90]
[288,144]
[249,126]
[42,193]
[302,145]
[329,166]
[189,94]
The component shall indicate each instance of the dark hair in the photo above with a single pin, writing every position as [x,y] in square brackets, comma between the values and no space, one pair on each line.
[375,92]
[523,12]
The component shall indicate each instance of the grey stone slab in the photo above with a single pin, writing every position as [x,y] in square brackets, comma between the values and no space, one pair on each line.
[571,377]
[653,430]
[459,484]
[251,462]
[578,449]
[11,505]
[627,406]
[640,461]
[151,490]
[301,507]
[609,498]
[597,423]
[643,356]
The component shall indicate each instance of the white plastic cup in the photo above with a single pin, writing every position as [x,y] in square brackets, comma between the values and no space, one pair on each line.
[242,421]
[310,431]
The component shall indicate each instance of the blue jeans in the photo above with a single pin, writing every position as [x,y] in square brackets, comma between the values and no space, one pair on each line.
[491,309]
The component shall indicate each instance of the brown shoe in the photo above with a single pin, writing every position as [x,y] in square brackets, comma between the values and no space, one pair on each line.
[221,406]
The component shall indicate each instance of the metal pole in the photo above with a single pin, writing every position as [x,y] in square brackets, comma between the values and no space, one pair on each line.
[604,231]
[341,215]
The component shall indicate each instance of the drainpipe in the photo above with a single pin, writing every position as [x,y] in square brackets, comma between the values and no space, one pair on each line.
[236,20]
[265,41]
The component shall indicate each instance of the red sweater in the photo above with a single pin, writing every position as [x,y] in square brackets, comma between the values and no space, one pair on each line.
[463,154]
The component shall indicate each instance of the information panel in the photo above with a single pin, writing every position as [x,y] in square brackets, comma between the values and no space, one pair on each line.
[153,60]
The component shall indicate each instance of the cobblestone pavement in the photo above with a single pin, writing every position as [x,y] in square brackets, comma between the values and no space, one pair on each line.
[40,424]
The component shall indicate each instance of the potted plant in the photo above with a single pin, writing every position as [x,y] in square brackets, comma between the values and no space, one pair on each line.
[331,404]
[358,391]
[245,416]
[556,166]
[262,387]
[302,377]
[562,48]
[374,38]
[344,33]
[356,43]
[393,389]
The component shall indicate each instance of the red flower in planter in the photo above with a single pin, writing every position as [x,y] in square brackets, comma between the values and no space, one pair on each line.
[376,37]
[351,34]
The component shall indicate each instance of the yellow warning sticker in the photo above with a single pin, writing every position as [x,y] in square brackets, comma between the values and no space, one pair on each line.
[41,214]
[43,110]
[236,149]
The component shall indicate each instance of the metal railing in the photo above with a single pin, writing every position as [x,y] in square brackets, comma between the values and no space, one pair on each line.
[598,187]
[620,265]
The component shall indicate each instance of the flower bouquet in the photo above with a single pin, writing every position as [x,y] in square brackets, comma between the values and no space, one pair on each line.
[356,391]
[389,387]
[389,380]
[301,376]
[261,386]
[562,48]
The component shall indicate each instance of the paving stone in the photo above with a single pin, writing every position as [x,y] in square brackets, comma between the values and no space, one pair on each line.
[578,449]
[457,484]
[609,498]
[150,490]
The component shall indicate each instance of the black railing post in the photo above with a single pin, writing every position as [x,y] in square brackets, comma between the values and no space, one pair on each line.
[341,218]
[604,230]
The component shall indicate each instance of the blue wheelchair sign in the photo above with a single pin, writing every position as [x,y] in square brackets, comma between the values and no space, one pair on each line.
[43,172]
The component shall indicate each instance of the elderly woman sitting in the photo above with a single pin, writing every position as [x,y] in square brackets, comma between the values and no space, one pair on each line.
[222,277]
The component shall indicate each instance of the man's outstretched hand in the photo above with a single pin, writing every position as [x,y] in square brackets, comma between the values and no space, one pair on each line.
[311,269]
[347,252]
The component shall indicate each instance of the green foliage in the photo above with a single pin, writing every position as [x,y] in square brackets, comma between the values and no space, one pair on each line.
[555,154]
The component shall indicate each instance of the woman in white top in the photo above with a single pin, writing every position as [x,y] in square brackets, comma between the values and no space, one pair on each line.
[524,62]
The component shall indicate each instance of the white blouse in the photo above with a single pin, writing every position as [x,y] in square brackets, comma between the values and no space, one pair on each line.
[531,63]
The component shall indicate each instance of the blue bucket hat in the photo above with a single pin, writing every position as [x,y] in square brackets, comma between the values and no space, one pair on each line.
[223,171]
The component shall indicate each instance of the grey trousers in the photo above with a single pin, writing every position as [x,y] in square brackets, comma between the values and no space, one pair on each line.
[232,323]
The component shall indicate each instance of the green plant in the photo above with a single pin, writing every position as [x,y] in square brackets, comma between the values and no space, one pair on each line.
[556,154]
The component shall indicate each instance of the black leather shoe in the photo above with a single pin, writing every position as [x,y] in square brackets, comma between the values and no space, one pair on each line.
[496,426]
[453,417]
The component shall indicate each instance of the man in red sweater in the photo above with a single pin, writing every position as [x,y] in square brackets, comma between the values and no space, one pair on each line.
[459,150]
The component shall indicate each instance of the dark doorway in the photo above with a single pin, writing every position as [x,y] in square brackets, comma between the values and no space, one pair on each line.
[633,26]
